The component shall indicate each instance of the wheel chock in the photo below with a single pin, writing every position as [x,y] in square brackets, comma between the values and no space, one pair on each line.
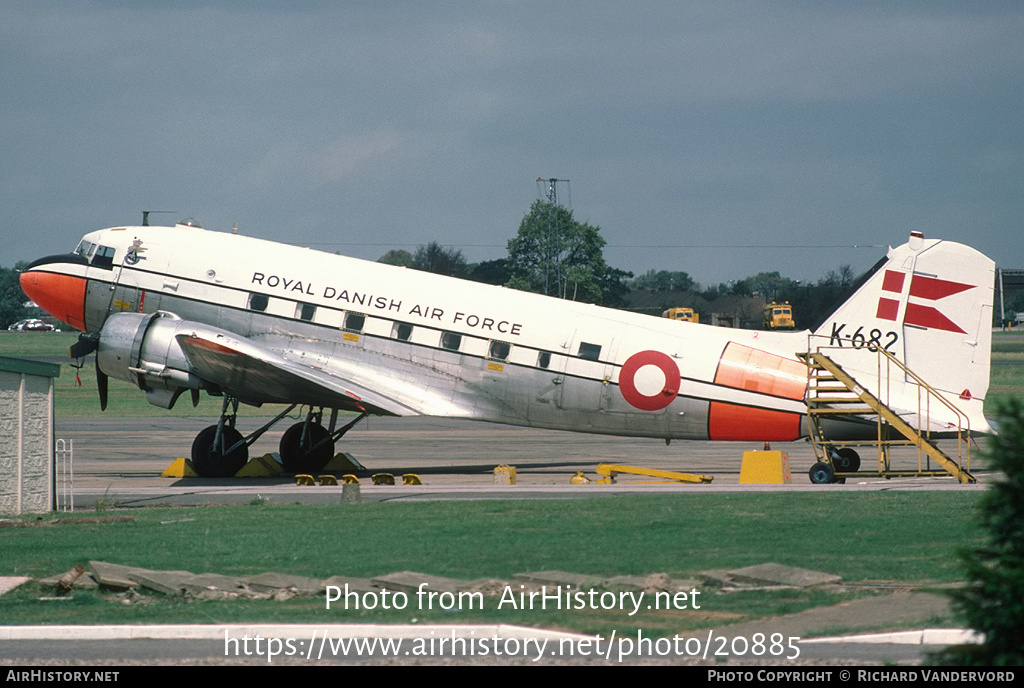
[383,479]
[343,462]
[505,475]
[769,467]
[327,480]
[411,479]
[349,479]
[303,479]
[609,471]
[266,466]
[579,479]
[180,468]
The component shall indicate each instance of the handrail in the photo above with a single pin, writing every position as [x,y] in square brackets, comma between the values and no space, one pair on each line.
[890,358]
[884,373]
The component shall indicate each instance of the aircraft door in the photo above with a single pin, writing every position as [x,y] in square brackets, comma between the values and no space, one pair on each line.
[588,365]
[126,292]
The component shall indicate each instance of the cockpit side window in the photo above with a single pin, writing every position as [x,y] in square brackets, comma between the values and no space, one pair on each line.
[104,258]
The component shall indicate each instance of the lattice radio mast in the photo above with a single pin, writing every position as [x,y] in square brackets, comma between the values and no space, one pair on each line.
[553,245]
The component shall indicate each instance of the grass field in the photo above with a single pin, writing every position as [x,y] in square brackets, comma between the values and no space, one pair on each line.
[895,536]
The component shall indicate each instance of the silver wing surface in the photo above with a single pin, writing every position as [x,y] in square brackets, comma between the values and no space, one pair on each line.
[254,374]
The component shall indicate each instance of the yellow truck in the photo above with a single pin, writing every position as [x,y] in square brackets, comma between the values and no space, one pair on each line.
[778,316]
[686,314]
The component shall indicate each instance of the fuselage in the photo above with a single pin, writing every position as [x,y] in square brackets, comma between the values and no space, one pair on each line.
[438,345]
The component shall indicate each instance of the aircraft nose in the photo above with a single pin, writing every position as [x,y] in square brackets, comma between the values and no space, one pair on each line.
[60,295]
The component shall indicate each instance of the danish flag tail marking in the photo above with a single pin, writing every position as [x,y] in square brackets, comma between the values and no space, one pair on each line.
[921,287]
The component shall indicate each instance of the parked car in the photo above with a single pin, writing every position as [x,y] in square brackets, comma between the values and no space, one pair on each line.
[31,325]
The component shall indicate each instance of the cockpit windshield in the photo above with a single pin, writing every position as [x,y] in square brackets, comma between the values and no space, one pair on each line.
[98,256]
[85,249]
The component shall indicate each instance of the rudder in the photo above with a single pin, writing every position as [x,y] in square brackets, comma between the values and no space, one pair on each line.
[930,305]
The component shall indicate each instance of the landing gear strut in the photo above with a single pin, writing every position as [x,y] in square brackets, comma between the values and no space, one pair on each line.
[219,450]
[306,447]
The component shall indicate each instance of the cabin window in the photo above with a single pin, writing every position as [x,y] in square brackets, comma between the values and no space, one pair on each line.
[104,258]
[544,359]
[591,352]
[402,331]
[451,340]
[354,321]
[258,302]
[499,350]
[305,311]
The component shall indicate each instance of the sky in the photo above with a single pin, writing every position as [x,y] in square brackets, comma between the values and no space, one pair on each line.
[720,138]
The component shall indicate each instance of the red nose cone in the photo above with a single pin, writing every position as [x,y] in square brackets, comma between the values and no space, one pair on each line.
[62,296]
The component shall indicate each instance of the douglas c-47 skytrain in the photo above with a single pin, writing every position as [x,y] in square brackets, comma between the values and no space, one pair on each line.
[175,309]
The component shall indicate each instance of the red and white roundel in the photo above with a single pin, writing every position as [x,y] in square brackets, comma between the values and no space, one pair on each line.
[649,380]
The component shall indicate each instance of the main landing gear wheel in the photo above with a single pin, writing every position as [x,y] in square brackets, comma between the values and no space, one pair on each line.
[846,460]
[304,456]
[822,473]
[212,461]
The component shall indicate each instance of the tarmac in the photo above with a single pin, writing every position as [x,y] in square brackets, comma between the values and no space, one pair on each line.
[119,461]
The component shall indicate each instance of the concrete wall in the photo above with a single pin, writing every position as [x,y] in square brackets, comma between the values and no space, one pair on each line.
[26,443]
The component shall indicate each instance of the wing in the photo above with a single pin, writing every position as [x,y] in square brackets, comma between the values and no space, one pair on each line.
[255,374]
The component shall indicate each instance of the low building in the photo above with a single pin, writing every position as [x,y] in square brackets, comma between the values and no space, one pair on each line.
[27,480]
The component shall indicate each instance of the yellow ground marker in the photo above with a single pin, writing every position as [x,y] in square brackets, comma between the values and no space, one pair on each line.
[609,471]
[505,474]
[769,467]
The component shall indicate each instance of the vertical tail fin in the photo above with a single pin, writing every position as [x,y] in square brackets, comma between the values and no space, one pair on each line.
[930,305]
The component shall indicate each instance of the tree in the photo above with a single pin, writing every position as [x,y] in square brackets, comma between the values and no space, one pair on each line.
[440,260]
[614,285]
[771,285]
[397,256]
[992,602]
[489,271]
[664,280]
[554,254]
[12,298]
[812,303]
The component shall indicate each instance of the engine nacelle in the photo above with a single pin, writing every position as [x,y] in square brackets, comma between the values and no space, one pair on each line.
[143,349]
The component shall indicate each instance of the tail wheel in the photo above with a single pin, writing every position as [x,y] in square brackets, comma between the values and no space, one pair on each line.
[304,456]
[846,460]
[822,473]
[212,461]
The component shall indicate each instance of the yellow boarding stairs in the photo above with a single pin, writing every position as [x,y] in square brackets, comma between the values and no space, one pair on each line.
[833,393]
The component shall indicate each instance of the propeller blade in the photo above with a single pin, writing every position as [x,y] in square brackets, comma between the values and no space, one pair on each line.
[195,398]
[101,387]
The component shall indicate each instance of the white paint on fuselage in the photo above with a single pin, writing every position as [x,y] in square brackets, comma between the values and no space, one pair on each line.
[215,273]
